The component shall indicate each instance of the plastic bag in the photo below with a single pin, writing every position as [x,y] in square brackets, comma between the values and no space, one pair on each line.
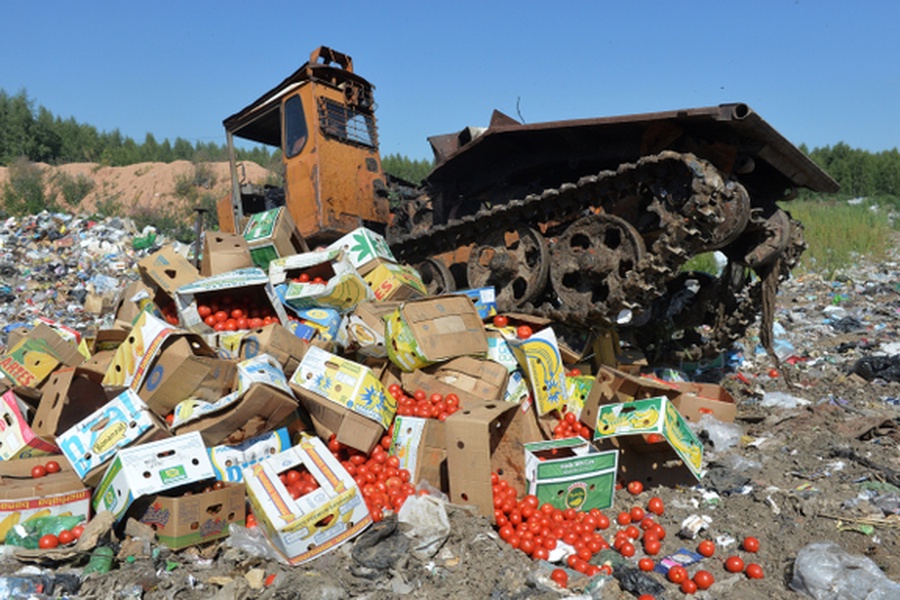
[782,400]
[28,534]
[722,435]
[430,526]
[824,571]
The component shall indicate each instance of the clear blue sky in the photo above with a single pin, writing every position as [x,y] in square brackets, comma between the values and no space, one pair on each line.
[820,71]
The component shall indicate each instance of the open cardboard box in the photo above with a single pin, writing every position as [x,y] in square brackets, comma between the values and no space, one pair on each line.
[181,520]
[421,446]
[36,355]
[612,386]
[306,527]
[697,399]
[261,402]
[17,439]
[571,473]
[422,332]
[343,288]
[365,249]
[167,270]
[229,461]
[272,234]
[363,329]
[541,361]
[278,342]
[656,446]
[23,497]
[223,252]
[473,380]
[148,469]
[391,281]
[343,397]
[488,438]
[69,393]
[92,442]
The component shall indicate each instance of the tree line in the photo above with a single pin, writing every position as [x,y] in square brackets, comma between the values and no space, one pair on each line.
[37,135]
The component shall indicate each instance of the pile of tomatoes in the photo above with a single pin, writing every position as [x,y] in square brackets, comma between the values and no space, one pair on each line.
[229,316]
[65,537]
[421,404]
[384,485]
[51,466]
[298,482]
[569,426]
[306,278]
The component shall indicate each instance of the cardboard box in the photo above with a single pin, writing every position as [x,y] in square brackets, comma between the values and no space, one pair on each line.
[247,286]
[422,332]
[17,440]
[611,386]
[486,438]
[167,270]
[473,380]
[261,402]
[484,299]
[343,397]
[146,469]
[39,353]
[571,473]
[302,529]
[223,252]
[365,249]
[181,521]
[390,281]
[697,399]
[363,329]
[23,498]
[92,442]
[166,365]
[325,322]
[131,301]
[230,461]
[420,444]
[276,341]
[272,234]
[655,443]
[541,361]
[68,394]
[344,287]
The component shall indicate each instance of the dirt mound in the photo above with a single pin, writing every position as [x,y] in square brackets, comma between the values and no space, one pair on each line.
[147,185]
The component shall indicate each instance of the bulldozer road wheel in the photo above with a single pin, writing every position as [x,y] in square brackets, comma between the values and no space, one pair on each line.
[515,261]
[436,276]
[591,261]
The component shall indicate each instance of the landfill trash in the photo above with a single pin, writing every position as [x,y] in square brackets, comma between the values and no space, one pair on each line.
[824,571]
[253,541]
[782,400]
[637,582]
[722,435]
[428,522]
[878,367]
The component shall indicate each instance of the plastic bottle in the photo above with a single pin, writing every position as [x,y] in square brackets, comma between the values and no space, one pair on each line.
[101,561]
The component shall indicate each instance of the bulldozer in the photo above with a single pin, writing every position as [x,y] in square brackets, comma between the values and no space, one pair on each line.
[587,222]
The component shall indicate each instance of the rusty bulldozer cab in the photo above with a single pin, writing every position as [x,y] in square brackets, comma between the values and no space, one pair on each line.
[322,119]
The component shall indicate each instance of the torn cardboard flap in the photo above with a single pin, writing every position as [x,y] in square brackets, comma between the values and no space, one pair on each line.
[68,394]
[167,270]
[364,248]
[223,252]
[473,380]
[31,360]
[17,440]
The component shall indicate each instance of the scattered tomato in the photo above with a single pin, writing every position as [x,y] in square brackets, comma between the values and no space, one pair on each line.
[637,514]
[646,597]
[677,574]
[48,541]
[52,466]
[751,544]
[66,537]
[656,506]
[38,471]
[652,547]
[627,550]
[623,518]
[646,564]
[754,571]
[635,487]
[523,332]
[503,321]
[734,564]
[703,579]
[706,548]
[688,587]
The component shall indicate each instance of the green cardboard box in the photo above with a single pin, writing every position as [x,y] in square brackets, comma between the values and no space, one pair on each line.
[571,473]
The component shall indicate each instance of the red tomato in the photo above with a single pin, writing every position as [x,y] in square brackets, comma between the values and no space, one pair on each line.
[637,514]
[501,321]
[703,579]
[623,518]
[38,471]
[203,310]
[706,548]
[656,506]
[751,544]
[646,597]
[251,520]
[652,547]
[236,313]
[688,587]
[293,476]
[221,316]
[210,320]
[48,541]
[677,574]
[523,332]
[66,537]
[734,564]
[635,487]
[754,571]
[51,466]
[627,550]
[646,564]
[303,278]
[560,577]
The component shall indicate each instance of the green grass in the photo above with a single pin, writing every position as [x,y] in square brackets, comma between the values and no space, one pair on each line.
[838,233]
